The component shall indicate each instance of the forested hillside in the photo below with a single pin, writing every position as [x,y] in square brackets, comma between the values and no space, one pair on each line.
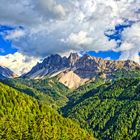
[111,110]
[23,117]
[48,91]
[123,73]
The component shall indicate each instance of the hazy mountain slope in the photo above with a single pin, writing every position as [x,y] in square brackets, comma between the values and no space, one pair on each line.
[111,110]
[22,117]
[6,73]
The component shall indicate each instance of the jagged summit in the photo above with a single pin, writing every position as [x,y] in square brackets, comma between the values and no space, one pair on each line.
[74,70]
[73,58]
[50,65]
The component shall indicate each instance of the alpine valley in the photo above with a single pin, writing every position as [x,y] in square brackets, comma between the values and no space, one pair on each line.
[71,98]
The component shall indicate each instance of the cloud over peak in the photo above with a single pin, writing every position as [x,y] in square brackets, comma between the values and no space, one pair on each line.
[18,62]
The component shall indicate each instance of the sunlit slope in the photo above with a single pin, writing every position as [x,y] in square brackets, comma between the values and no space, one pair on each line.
[22,117]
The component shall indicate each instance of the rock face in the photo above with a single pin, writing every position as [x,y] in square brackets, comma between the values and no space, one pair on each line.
[73,58]
[88,66]
[6,73]
[71,80]
[50,65]
[75,70]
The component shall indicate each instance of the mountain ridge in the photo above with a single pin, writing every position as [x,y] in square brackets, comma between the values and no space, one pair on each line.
[74,71]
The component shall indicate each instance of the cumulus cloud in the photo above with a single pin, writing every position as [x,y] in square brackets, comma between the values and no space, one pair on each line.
[130,47]
[88,19]
[29,12]
[58,26]
[80,38]
[15,34]
[50,8]
[18,62]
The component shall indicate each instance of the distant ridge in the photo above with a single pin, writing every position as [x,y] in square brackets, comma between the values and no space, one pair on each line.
[6,73]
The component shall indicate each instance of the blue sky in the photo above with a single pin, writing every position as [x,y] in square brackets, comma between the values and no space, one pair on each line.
[6,47]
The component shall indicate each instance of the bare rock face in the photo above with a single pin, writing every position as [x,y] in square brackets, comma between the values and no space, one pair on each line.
[75,71]
[71,80]
[88,66]
[73,58]
[6,73]
[50,65]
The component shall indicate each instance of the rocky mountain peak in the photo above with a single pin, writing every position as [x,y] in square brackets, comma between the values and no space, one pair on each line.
[87,56]
[131,64]
[52,60]
[73,58]
[50,65]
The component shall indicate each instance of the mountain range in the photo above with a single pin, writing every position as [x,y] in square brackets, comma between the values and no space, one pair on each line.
[74,71]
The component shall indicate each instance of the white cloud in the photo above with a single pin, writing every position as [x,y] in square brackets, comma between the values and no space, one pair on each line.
[107,58]
[130,55]
[80,38]
[29,12]
[18,62]
[130,47]
[89,25]
[50,8]
[59,26]
[15,34]
[125,47]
